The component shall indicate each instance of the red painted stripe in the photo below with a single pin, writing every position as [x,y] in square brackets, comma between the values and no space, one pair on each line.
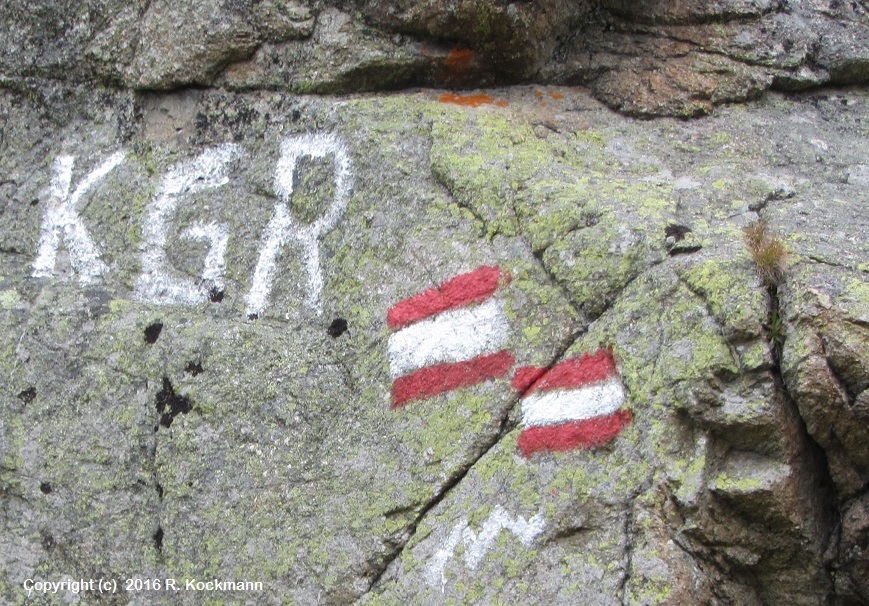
[471,287]
[433,380]
[588,368]
[576,434]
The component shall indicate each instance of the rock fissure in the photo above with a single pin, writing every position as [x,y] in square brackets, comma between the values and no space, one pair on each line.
[627,557]
[555,281]
[505,426]
[841,383]
[812,454]
[157,514]
[710,313]
[628,530]
[822,261]
[289,461]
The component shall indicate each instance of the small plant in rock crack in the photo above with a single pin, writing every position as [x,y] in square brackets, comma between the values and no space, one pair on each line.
[776,329]
[767,251]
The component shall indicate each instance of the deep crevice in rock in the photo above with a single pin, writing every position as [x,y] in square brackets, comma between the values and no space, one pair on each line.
[538,256]
[158,540]
[152,332]
[27,395]
[811,451]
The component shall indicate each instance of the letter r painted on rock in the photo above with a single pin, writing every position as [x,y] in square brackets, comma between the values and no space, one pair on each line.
[61,220]
[282,228]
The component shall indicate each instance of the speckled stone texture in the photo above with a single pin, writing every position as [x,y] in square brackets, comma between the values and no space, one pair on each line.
[198,442]
[208,210]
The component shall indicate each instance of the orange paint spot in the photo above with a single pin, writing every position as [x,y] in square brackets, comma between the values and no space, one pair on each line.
[538,94]
[459,59]
[470,100]
[556,95]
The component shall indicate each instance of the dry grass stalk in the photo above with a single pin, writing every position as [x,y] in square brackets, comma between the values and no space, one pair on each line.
[767,251]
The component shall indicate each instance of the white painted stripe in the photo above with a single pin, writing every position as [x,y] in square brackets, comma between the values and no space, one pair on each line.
[435,570]
[563,405]
[452,336]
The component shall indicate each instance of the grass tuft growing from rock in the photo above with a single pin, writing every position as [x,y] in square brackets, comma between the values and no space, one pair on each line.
[767,251]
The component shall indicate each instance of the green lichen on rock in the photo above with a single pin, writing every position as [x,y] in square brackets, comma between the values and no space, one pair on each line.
[283,460]
[518,184]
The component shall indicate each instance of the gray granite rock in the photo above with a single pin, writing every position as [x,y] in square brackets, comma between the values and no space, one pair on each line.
[199,369]
[648,58]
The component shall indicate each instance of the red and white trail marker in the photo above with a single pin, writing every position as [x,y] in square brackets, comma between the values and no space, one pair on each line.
[448,337]
[575,404]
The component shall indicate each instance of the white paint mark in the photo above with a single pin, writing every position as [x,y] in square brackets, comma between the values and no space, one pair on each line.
[61,219]
[478,544]
[281,228]
[217,238]
[560,406]
[435,572]
[454,335]
[156,283]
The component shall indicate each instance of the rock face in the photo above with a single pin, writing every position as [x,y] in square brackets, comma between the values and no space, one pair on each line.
[646,58]
[501,346]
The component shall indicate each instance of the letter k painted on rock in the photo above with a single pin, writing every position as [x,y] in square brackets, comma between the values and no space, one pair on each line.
[61,220]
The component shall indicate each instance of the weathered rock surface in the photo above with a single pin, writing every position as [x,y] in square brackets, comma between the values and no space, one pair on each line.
[264,322]
[184,404]
[646,58]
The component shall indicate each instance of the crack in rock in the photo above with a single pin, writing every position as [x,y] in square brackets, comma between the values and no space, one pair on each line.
[505,426]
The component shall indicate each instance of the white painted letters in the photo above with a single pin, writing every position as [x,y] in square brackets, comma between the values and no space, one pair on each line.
[156,283]
[478,544]
[281,228]
[61,220]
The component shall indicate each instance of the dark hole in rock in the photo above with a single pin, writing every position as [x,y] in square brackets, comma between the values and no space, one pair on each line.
[159,488]
[677,232]
[152,332]
[170,405]
[252,316]
[337,328]
[47,541]
[158,539]
[215,295]
[45,488]
[194,368]
[34,202]
[28,395]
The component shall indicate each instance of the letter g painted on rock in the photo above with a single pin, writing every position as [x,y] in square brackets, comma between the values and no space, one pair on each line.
[156,284]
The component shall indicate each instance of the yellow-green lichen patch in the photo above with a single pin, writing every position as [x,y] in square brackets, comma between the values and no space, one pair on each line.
[688,477]
[857,291]
[733,296]
[10,299]
[577,223]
